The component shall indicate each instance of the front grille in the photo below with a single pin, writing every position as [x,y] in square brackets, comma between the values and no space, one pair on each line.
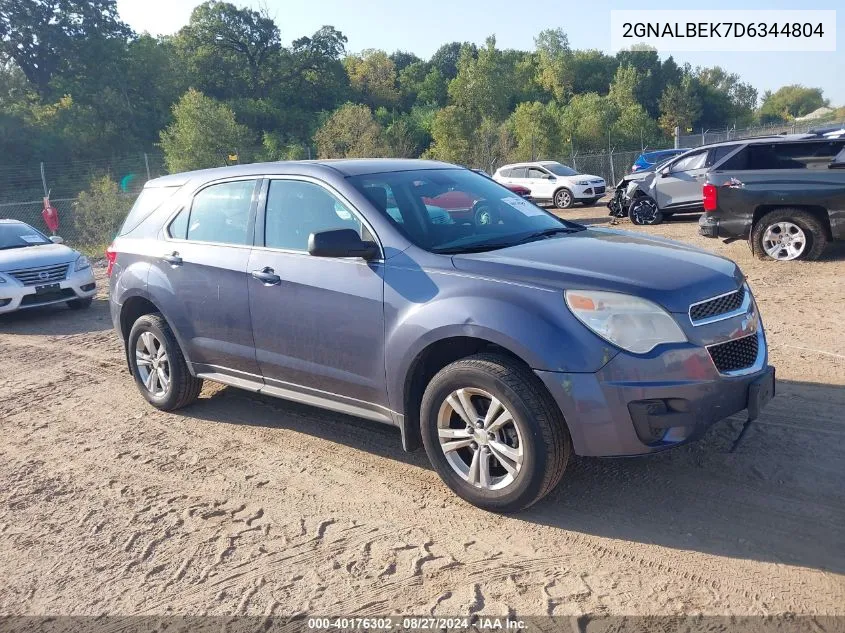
[48,297]
[715,307]
[738,354]
[40,276]
[599,190]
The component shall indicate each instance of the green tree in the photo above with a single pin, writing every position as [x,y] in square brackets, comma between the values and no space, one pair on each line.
[790,102]
[99,212]
[536,131]
[203,133]
[47,37]
[445,58]
[554,68]
[350,132]
[680,106]
[230,50]
[482,87]
[372,75]
[451,133]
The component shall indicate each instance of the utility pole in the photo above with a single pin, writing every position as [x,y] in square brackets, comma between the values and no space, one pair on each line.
[147,164]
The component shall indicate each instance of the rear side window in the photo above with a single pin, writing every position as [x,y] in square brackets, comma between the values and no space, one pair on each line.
[220,213]
[506,173]
[813,155]
[150,199]
[519,172]
[718,153]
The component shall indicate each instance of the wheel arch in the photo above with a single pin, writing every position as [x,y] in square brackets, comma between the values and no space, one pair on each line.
[133,308]
[431,359]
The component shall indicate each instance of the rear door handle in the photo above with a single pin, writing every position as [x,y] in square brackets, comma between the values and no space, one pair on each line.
[267,276]
[173,259]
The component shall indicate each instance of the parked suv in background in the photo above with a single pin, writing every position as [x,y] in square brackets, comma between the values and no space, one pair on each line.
[787,199]
[501,347]
[549,181]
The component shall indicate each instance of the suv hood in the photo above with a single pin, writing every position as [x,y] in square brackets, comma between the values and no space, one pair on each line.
[590,177]
[671,274]
[36,256]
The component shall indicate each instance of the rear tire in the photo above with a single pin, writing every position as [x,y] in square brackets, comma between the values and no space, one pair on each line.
[796,227]
[80,304]
[158,365]
[524,457]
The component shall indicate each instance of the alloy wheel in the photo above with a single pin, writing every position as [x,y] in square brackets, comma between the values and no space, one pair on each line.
[563,198]
[153,364]
[480,438]
[784,241]
[644,212]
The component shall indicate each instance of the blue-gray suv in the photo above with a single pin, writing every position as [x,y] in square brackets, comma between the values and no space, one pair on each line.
[428,297]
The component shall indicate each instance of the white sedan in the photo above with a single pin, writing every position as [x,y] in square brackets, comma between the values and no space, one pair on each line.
[36,270]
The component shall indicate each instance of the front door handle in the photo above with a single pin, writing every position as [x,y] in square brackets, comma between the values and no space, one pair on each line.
[173,259]
[267,276]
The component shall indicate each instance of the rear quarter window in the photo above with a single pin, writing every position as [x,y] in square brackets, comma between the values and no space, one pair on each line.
[150,199]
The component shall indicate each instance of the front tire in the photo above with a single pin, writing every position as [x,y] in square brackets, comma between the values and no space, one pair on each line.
[493,434]
[158,365]
[788,234]
[563,199]
[644,211]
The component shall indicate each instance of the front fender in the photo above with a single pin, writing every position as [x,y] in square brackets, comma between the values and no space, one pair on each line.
[530,322]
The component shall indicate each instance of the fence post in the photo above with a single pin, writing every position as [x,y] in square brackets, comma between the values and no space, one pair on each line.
[147,164]
[44,181]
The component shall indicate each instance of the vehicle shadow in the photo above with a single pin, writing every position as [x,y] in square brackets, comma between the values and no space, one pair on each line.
[58,320]
[778,498]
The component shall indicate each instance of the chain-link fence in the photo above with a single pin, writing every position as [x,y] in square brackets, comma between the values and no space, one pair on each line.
[705,137]
[23,188]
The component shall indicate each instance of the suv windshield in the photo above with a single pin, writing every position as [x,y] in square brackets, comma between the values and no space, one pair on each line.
[560,170]
[14,235]
[457,210]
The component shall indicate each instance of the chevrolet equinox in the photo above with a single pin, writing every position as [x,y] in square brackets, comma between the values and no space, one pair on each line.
[502,346]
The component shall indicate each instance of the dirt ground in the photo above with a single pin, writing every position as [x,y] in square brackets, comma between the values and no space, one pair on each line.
[244,504]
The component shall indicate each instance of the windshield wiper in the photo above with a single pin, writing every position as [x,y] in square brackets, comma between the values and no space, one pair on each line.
[547,233]
[472,248]
[490,246]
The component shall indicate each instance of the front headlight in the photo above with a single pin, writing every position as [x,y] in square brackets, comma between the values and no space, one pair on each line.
[2,281]
[582,183]
[634,324]
[82,263]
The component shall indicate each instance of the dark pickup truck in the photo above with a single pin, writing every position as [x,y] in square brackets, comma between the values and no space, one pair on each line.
[786,199]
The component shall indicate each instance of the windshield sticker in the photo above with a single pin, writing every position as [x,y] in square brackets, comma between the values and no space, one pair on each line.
[32,239]
[524,206]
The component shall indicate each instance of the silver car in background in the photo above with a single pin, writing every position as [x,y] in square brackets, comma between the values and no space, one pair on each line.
[36,270]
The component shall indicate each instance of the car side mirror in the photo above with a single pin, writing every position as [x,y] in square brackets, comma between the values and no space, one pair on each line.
[56,239]
[665,172]
[550,177]
[341,243]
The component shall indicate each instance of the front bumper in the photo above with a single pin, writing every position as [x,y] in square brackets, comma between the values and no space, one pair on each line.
[589,192]
[15,296]
[610,413]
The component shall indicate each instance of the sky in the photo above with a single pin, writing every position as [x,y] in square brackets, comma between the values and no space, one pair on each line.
[421,27]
